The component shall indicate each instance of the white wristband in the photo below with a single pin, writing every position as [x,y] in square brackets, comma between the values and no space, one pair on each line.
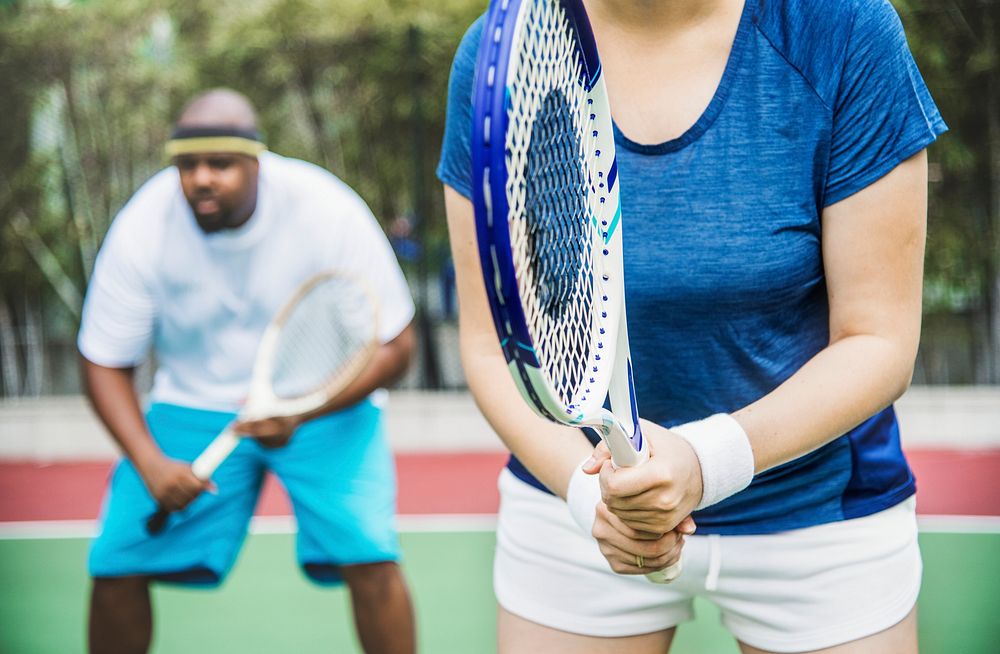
[582,497]
[724,453]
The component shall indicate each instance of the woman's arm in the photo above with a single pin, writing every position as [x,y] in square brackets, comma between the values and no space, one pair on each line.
[551,452]
[873,254]
[873,249]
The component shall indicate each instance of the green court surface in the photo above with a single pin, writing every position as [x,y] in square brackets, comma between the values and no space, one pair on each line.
[267,606]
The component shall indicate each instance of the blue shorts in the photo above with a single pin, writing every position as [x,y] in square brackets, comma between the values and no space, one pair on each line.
[337,469]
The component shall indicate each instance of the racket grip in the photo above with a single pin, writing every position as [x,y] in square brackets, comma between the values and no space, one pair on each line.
[216,452]
[666,575]
[624,455]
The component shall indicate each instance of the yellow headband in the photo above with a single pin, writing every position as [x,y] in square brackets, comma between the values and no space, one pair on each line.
[222,144]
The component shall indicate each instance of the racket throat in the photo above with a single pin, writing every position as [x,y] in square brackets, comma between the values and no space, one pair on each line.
[619,439]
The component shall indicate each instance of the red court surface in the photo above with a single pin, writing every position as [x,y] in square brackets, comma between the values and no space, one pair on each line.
[950,482]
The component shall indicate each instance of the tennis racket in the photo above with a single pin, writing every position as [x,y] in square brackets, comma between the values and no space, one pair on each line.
[317,344]
[548,221]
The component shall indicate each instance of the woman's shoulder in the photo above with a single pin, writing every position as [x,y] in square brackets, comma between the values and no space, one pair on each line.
[464,65]
[820,38]
[834,18]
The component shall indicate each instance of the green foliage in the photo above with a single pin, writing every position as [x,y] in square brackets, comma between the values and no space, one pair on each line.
[93,87]
[955,45]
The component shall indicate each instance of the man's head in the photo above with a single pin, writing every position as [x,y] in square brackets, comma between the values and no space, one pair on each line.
[215,144]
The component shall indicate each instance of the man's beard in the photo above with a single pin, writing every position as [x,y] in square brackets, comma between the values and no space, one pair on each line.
[215,221]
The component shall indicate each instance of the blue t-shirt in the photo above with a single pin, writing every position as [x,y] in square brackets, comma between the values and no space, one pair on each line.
[722,226]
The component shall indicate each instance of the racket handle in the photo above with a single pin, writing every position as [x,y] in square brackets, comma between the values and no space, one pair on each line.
[624,455]
[156,522]
[213,456]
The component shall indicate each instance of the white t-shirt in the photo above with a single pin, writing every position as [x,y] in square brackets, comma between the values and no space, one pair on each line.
[202,301]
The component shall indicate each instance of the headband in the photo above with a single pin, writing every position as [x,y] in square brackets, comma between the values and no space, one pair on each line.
[197,140]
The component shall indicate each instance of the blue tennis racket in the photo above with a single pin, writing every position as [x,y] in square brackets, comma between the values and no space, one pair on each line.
[548,221]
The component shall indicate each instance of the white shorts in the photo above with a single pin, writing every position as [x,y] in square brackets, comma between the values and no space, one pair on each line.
[793,591]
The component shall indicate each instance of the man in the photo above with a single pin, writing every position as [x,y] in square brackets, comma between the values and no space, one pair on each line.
[194,267]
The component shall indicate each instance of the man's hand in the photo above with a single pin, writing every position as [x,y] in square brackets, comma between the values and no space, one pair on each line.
[172,484]
[270,432]
[656,496]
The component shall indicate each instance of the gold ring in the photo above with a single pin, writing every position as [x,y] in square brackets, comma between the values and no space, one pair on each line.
[639,561]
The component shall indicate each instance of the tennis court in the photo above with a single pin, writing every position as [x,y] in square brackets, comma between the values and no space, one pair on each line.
[447,502]
[266,607]
[54,459]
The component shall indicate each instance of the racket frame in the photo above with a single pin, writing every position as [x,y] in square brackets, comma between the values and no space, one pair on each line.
[261,401]
[619,427]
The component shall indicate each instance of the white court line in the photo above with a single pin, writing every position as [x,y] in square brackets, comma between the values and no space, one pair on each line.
[959,524]
[434,523]
[46,529]
[429,523]
[437,523]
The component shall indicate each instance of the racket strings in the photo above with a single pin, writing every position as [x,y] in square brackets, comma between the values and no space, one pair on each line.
[551,222]
[330,327]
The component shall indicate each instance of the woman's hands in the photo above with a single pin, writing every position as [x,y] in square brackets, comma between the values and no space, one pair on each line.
[657,495]
[645,512]
[633,552]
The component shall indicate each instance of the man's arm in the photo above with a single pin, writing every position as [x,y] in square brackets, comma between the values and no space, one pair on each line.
[111,392]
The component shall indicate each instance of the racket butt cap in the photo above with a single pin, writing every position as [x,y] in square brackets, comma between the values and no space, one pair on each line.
[666,575]
[156,522]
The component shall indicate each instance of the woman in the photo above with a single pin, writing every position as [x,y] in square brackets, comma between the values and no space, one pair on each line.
[773,185]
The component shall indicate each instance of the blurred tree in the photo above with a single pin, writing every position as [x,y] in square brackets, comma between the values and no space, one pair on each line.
[360,86]
[91,89]
[955,44]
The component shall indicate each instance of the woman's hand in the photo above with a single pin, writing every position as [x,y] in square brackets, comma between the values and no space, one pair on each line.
[655,497]
[633,552]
